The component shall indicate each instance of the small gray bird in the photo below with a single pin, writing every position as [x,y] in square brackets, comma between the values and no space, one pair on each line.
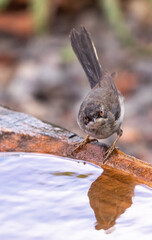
[101,112]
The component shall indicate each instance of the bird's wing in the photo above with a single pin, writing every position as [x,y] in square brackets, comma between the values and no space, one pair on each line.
[112,94]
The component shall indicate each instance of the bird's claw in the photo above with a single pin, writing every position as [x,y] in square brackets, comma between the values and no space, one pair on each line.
[108,153]
[83,143]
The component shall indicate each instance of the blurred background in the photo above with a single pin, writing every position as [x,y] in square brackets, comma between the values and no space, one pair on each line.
[40,75]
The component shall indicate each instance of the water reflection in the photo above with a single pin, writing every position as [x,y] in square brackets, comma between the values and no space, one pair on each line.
[110,195]
[51,194]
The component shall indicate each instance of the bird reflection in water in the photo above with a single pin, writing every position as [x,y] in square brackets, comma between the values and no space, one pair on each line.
[110,195]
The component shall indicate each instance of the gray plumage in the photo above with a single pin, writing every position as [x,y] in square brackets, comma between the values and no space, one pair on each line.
[86,53]
[101,112]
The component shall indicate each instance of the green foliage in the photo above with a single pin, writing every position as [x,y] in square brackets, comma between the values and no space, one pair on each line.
[4,4]
[41,13]
[67,54]
[115,17]
[150,2]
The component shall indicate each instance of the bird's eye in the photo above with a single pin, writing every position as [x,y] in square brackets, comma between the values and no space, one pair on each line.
[86,119]
[101,113]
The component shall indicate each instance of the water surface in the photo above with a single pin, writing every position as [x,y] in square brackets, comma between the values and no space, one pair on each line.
[48,197]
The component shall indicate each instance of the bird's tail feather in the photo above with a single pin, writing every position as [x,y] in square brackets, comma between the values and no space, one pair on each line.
[86,53]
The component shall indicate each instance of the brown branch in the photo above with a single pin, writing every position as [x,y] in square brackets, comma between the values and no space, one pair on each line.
[22,133]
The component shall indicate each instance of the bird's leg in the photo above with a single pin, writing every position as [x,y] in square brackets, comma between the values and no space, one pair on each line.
[84,142]
[113,145]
